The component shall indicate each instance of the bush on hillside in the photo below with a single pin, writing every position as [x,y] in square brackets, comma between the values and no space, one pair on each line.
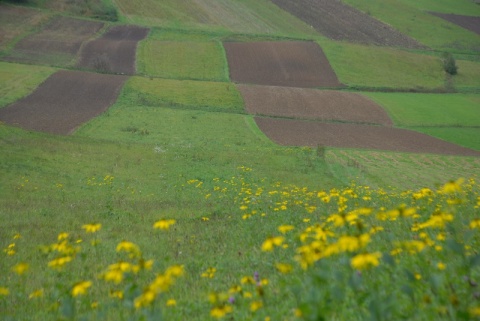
[449,64]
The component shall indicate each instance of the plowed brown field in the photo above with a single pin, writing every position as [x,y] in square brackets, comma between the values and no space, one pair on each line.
[57,43]
[312,104]
[467,22]
[339,21]
[287,63]
[312,133]
[114,52]
[64,101]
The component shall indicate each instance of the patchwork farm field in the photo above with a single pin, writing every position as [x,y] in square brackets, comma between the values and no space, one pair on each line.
[257,160]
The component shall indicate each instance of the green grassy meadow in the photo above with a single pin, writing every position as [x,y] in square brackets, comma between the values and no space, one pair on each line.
[173,205]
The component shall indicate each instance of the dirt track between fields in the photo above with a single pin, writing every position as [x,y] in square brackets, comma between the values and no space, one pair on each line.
[114,52]
[466,22]
[280,63]
[339,21]
[313,133]
[58,42]
[64,101]
[302,103]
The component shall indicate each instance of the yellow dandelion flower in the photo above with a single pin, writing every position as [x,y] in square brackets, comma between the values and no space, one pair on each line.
[271,242]
[220,311]
[62,236]
[204,218]
[175,271]
[145,299]
[247,280]
[163,224]
[60,262]
[441,266]
[116,294]
[171,303]
[129,247]
[20,268]
[92,228]
[36,294]
[255,305]
[94,305]
[285,228]
[17,236]
[284,268]
[209,273]
[4,291]
[365,260]
[474,311]
[235,289]
[81,288]
[475,223]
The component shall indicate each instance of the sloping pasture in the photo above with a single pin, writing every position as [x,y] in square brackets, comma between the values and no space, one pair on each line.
[411,17]
[17,81]
[57,43]
[383,68]
[167,56]
[250,16]
[183,94]
[16,21]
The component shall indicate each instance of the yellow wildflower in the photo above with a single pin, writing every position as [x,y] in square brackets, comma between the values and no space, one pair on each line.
[62,236]
[270,242]
[58,263]
[171,303]
[17,236]
[36,294]
[285,228]
[209,273]
[220,311]
[81,288]
[163,224]
[365,260]
[145,299]
[284,268]
[441,266]
[475,223]
[129,247]
[4,291]
[255,305]
[175,271]
[116,294]
[92,228]
[20,268]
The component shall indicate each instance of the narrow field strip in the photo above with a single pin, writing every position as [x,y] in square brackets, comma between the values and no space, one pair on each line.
[468,22]
[114,52]
[57,44]
[280,63]
[313,104]
[311,133]
[339,21]
[64,101]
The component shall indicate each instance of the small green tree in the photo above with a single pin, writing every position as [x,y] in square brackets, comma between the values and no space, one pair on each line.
[449,64]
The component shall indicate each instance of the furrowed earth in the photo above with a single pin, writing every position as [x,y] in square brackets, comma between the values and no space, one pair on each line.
[114,52]
[57,43]
[280,63]
[312,104]
[339,21]
[64,101]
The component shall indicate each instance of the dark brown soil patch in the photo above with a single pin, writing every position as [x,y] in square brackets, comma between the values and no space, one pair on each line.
[466,22]
[311,133]
[114,52]
[312,104]
[339,21]
[58,43]
[287,63]
[15,21]
[64,101]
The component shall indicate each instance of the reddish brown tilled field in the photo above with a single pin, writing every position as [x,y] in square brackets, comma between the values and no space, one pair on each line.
[339,21]
[64,101]
[467,22]
[313,133]
[61,37]
[114,52]
[313,104]
[282,63]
